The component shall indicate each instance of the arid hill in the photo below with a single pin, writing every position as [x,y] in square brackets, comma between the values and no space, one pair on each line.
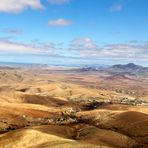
[62,107]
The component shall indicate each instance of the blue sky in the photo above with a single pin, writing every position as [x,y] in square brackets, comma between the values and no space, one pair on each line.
[73,32]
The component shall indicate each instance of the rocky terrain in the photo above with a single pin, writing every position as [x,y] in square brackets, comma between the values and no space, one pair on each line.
[66,107]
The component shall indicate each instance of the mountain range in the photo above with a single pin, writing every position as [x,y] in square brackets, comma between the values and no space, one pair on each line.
[129,69]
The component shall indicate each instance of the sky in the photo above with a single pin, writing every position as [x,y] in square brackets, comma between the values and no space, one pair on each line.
[74,32]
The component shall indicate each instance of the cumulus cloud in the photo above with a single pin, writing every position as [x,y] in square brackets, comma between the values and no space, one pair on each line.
[59,22]
[16,6]
[83,44]
[58,2]
[37,49]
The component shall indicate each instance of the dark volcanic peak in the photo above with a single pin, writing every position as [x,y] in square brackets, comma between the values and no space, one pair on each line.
[90,69]
[131,66]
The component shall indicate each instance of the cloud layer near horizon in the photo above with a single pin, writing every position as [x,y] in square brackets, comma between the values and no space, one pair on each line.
[80,48]
[15,47]
[87,48]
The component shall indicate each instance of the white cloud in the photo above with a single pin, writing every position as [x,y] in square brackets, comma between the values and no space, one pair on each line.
[59,22]
[116,8]
[58,2]
[16,6]
[83,44]
[86,48]
[15,47]
[82,48]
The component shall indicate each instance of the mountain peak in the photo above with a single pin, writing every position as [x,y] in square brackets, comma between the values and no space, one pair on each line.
[127,66]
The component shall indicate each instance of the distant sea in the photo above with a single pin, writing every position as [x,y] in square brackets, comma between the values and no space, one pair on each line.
[13,64]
